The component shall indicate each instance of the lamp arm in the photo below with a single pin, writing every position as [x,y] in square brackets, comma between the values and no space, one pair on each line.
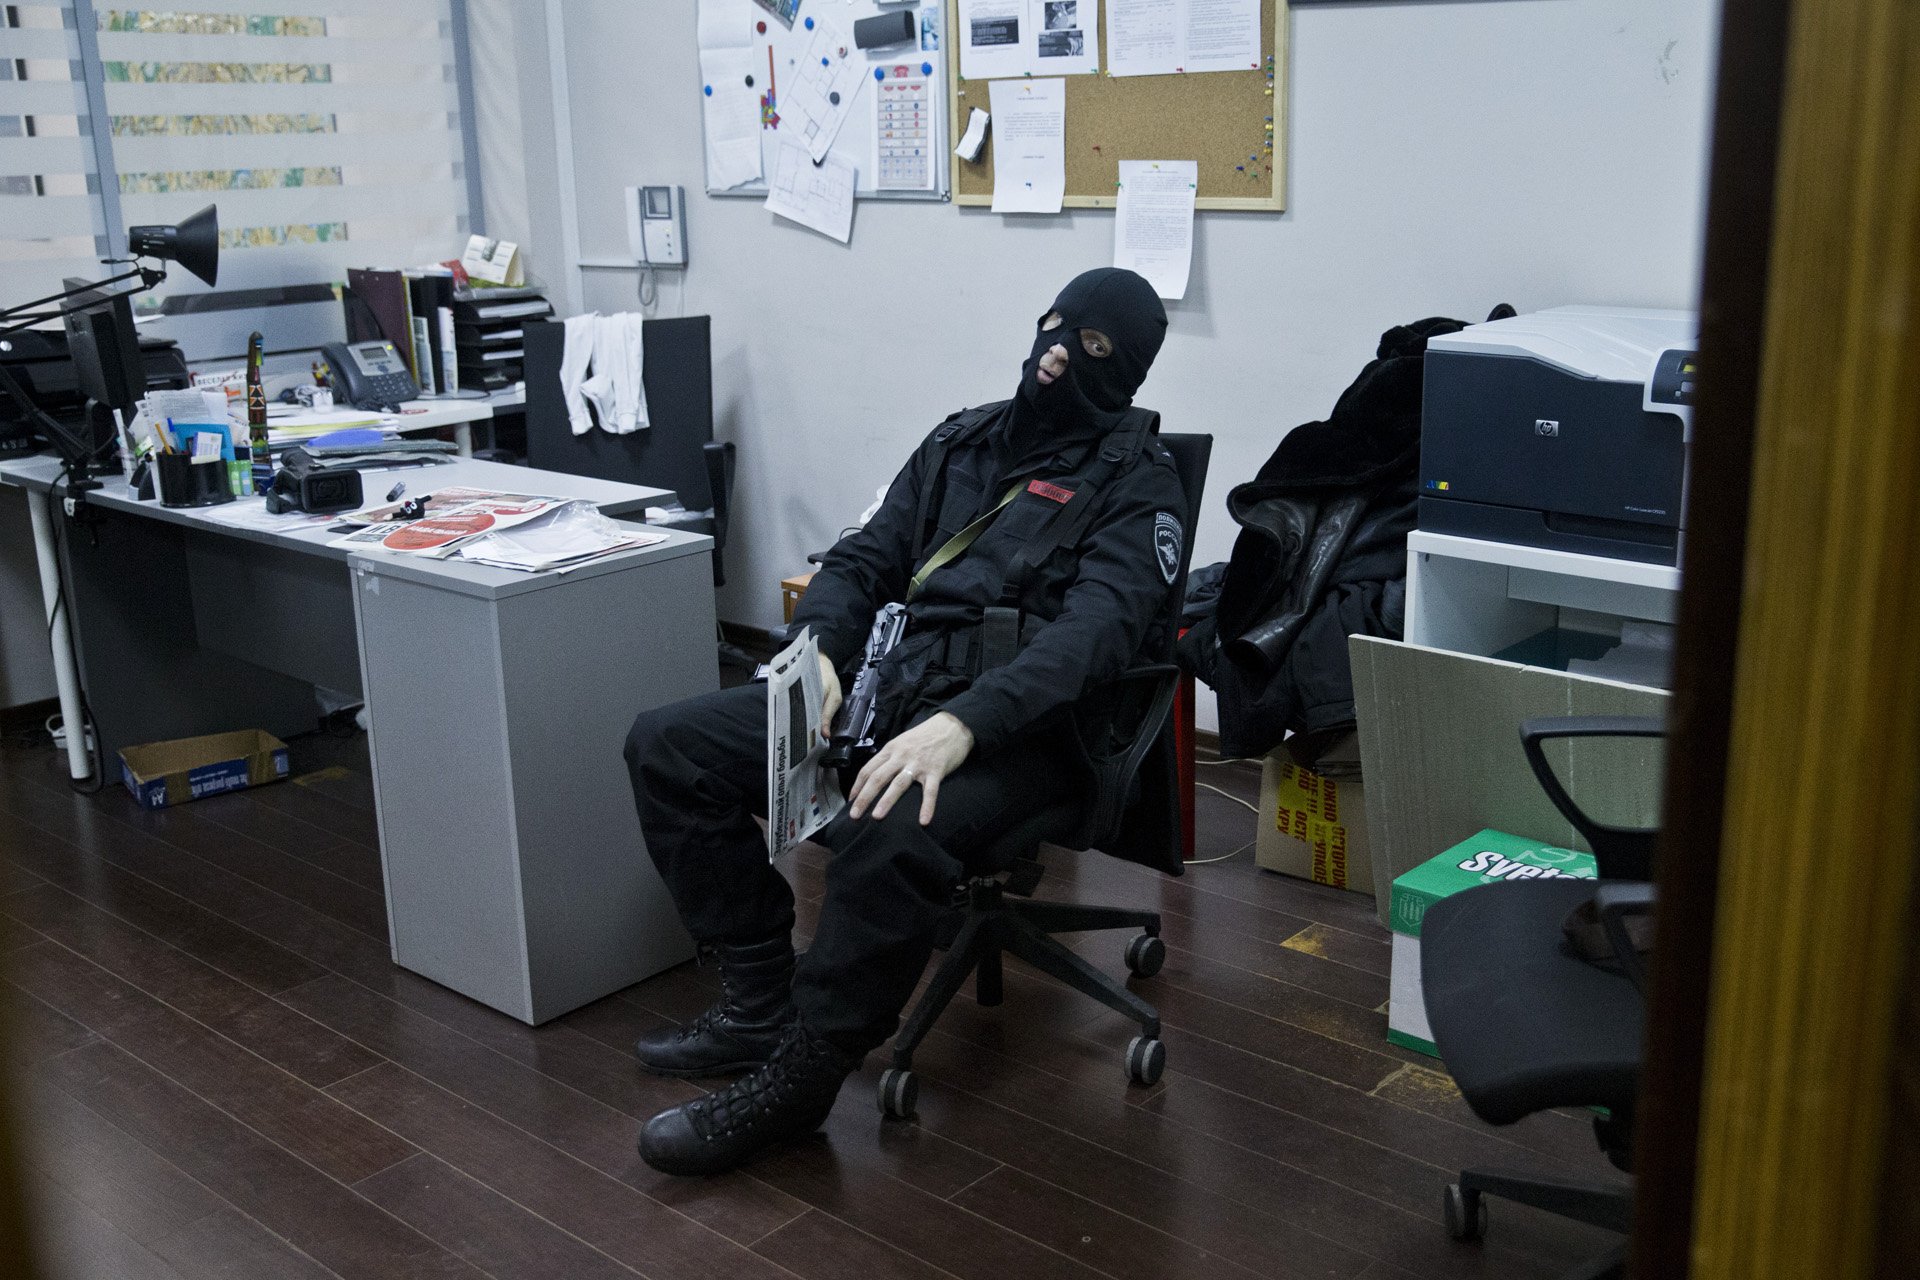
[148,276]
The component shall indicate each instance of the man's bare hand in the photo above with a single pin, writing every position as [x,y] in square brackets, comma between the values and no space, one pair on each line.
[925,754]
[829,695]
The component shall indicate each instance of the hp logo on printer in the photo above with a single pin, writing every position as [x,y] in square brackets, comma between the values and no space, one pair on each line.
[1546,427]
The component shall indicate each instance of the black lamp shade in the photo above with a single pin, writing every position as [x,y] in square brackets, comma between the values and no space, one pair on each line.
[194,243]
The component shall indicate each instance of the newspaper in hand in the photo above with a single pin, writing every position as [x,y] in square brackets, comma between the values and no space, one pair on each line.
[802,796]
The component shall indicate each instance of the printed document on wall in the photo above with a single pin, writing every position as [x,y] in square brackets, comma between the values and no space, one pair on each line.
[1030,147]
[819,93]
[1153,229]
[726,24]
[1168,37]
[819,196]
[732,114]
[994,38]
[1001,38]
[802,797]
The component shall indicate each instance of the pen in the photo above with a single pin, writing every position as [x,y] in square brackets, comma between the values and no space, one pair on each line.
[394,493]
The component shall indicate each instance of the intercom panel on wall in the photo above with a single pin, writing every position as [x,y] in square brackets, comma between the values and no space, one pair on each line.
[657,225]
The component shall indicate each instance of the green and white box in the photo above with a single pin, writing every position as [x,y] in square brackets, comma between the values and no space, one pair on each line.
[1489,857]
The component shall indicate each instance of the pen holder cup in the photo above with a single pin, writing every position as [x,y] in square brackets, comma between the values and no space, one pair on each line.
[181,482]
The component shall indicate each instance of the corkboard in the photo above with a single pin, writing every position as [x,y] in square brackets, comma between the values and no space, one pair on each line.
[1218,119]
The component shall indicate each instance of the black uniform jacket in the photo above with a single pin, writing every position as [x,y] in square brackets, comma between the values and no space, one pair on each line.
[1095,608]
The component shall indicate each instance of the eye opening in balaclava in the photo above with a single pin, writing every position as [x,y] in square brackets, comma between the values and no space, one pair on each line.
[1124,307]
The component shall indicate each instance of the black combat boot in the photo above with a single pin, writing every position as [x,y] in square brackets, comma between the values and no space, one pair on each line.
[788,1098]
[741,1029]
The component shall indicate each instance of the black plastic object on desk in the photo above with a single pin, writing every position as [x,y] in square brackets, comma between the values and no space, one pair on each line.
[182,482]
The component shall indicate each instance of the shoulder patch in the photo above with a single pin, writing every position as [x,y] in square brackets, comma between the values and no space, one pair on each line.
[1166,544]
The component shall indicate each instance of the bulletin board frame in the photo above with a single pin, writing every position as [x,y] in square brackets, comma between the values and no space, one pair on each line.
[1171,117]
[856,136]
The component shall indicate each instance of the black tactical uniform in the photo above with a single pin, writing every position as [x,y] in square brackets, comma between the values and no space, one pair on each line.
[1056,596]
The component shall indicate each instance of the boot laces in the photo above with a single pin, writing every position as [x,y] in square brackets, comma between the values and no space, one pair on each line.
[735,1108]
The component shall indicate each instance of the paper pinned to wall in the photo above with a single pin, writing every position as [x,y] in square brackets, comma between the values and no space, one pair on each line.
[819,94]
[1000,38]
[1153,228]
[1030,149]
[819,196]
[732,113]
[1169,37]
[726,24]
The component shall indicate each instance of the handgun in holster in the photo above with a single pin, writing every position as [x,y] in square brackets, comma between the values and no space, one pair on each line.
[851,742]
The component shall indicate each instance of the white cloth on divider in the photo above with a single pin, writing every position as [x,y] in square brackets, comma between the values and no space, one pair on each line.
[574,360]
[616,388]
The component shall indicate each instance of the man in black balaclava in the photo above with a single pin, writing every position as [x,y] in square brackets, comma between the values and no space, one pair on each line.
[1076,519]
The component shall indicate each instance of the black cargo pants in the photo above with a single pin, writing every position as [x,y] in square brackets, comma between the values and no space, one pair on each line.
[699,770]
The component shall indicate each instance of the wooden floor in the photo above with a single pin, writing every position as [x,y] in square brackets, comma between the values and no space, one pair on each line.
[222,1075]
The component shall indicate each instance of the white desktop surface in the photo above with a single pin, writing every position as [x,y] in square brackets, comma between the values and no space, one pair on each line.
[614,499]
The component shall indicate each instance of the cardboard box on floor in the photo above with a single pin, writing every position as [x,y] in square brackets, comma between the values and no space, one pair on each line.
[1313,822]
[158,774]
[1489,857]
[1440,749]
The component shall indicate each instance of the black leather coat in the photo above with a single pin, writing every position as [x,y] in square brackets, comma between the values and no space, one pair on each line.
[1322,555]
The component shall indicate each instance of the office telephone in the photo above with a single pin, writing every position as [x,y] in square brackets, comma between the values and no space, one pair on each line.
[369,375]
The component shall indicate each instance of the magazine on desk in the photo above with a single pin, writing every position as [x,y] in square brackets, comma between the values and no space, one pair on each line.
[449,518]
[547,534]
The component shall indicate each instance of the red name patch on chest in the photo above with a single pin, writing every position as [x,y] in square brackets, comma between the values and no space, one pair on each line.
[1052,491]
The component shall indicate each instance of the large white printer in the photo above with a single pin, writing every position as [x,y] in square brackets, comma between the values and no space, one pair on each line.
[1566,428]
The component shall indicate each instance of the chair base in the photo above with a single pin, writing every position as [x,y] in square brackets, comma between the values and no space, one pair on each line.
[996,925]
[1607,1207]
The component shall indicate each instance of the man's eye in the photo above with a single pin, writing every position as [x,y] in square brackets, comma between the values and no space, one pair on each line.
[1096,347]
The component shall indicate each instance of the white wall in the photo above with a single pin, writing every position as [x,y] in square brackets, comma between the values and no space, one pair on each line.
[1443,157]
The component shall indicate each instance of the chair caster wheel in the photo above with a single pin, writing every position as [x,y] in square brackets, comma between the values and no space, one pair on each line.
[1146,1059]
[1465,1212]
[899,1090]
[1145,955]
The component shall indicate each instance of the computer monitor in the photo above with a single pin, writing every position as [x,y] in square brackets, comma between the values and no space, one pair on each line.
[105,350]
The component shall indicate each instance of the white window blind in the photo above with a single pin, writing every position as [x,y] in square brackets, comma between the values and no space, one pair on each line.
[329,133]
[50,220]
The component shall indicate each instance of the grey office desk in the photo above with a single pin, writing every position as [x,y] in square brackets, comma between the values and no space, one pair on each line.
[499,701]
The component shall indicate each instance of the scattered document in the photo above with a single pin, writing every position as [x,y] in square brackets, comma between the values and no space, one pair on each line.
[725,24]
[730,108]
[802,797]
[1001,38]
[1169,37]
[1153,230]
[819,196]
[818,96]
[1030,145]
[252,513]
[561,540]
[975,136]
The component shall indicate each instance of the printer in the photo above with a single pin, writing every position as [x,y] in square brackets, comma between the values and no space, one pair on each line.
[1566,428]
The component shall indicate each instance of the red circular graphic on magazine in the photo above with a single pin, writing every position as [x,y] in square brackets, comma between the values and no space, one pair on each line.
[425,535]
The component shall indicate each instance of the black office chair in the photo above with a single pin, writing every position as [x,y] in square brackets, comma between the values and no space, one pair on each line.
[1525,1023]
[1129,756]
[677,451]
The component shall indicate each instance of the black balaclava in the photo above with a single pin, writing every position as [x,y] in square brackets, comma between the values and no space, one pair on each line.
[1095,391]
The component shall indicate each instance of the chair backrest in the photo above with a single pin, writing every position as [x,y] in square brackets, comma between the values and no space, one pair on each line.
[668,454]
[1191,454]
[1135,814]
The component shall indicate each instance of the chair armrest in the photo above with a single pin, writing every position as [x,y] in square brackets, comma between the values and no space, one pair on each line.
[1616,902]
[719,457]
[1114,773]
[1624,853]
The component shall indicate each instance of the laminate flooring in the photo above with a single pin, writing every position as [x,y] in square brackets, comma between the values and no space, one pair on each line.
[220,1073]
